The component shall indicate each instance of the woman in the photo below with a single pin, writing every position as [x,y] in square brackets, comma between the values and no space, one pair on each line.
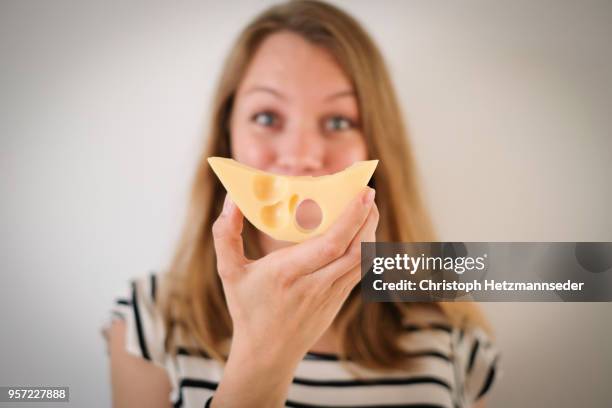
[242,320]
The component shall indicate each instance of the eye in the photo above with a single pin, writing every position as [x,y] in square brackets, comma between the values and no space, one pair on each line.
[338,123]
[266,119]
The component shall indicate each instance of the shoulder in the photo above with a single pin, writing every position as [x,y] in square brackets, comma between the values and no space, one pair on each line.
[134,334]
[478,361]
[137,304]
[426,332]
[470,348]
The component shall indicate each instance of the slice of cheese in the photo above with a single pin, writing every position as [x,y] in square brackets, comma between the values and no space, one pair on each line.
[269,201]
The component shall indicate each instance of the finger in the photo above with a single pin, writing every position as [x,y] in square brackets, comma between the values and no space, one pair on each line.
[319,251]
[337,283]
[227,238]
[346,270]
[343,286]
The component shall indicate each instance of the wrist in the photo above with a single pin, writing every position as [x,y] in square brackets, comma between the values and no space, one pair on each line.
[267,356]
[256,376]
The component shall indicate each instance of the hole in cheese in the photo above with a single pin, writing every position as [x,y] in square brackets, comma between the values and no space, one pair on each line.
[268,188]
[274,216]
[308,214]
[293,202]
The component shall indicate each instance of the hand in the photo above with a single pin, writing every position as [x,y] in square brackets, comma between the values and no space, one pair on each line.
[282,303]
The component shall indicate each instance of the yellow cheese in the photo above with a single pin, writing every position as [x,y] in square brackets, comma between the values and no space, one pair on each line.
[270,201]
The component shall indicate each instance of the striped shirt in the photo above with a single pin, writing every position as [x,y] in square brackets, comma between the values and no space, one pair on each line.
[454,367]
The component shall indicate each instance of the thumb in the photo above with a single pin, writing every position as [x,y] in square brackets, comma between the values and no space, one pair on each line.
[227,237]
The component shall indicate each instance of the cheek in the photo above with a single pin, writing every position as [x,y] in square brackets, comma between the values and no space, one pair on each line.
[250,149]
[343,154]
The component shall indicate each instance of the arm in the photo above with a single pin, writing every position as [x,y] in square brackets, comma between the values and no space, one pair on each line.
[250,381]
[282,303]
[480,403]
[135,382]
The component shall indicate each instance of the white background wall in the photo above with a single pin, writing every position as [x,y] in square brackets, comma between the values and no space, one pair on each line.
[102,114]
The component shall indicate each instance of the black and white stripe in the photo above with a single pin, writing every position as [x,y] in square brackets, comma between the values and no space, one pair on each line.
[439,352]
[142,342]
[478,367]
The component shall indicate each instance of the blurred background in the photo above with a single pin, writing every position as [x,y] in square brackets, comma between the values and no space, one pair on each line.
[103,107]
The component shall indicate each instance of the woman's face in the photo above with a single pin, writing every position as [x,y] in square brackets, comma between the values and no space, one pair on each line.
[295,111]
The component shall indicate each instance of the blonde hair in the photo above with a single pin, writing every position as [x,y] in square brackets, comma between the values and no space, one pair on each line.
[194,301]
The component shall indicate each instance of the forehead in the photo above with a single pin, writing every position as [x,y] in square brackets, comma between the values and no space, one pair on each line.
[291,64]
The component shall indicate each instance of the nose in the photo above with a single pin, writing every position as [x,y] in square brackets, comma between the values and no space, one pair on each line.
[301,152]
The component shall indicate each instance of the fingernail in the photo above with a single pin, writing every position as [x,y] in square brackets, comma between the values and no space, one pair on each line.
[228,204]
[368,197]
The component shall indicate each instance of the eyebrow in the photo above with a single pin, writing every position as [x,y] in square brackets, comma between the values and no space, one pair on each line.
[272,91]
[341,94]
[267,90]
